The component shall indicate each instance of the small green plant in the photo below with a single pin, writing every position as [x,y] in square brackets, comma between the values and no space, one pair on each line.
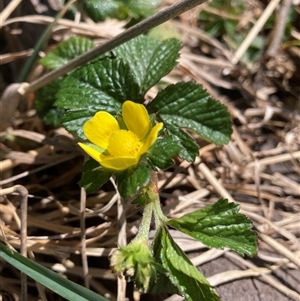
[102,104]
[223,23]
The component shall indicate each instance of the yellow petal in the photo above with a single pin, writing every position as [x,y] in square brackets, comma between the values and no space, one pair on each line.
[119,163]
[96,155]
[151,137]
[99,128]
[136,118]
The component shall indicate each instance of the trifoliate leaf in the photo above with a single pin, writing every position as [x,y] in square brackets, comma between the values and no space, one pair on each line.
[66,51]
[102,85]
[219,226]
[149,59]
[188,105]
[131,180]
[93,176]
[44,100]
[182,273]
[162,152]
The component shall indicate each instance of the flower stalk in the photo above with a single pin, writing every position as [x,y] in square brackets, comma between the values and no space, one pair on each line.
[159,217]
[144,229]
[135,261]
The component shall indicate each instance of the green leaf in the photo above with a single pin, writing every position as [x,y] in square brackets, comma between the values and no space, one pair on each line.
[149,59]
[73,121]
[66,51]
[131,180]
[137,8]
[99,10]
[102,85]
[93,176]
[162,152]
[165,31]
[219,226]
[182,273]
[46,96]
[58,284]
[44,103]
[190,148]
[188,105]
[162,284]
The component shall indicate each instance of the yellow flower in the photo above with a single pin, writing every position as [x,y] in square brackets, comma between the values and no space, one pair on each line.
[118,148]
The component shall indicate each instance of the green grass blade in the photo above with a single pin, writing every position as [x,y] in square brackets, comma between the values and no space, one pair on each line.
[63,287]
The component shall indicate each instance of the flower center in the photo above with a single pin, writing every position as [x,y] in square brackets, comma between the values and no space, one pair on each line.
[123,143]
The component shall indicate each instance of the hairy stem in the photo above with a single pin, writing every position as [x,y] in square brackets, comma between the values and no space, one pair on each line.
[152,207]
[145,223]
[159,216]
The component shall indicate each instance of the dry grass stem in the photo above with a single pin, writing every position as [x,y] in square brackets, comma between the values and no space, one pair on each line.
[8,10]
[254,31]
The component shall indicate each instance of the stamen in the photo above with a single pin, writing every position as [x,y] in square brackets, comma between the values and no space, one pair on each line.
[123,143]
